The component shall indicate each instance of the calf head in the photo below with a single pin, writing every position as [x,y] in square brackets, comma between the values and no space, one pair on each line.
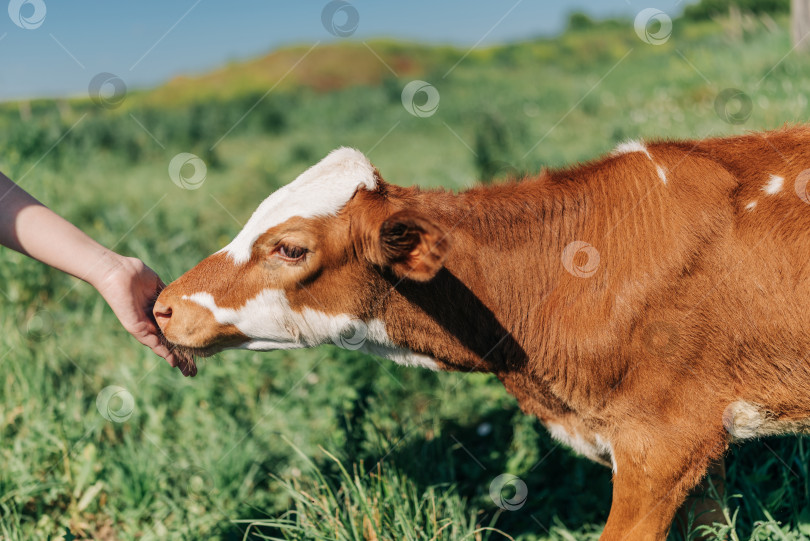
[312,264]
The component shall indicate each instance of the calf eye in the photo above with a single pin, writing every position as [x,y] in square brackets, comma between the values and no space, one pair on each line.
[292,253]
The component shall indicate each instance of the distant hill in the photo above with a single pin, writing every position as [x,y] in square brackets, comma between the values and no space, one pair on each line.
[324,68]
[338,65]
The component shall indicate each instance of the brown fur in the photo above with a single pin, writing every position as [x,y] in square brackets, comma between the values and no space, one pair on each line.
[697,302]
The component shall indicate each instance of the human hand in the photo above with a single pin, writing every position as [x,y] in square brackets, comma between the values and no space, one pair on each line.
[130,288]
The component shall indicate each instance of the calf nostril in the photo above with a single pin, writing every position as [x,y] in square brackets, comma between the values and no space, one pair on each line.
[162,312]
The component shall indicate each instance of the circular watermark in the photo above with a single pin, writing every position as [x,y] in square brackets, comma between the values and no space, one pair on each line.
[27,14]
[660,338]
[107,90]
[198,483]
[39,326]
[340,18]
[187,171]
[508,492]
[352,336]
[580,259]
[653,26]
[733,105]
[115,403]
[800,185]
[422,109]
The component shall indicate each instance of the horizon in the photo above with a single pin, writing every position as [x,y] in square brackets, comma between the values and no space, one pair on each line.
[54,51]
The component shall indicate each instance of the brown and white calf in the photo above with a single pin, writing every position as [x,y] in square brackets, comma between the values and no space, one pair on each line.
[649,307]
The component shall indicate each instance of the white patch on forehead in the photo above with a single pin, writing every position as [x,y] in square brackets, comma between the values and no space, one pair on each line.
[321,190]
[270,323]
[774,185]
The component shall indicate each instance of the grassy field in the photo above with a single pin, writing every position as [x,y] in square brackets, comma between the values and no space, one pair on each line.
[325,443]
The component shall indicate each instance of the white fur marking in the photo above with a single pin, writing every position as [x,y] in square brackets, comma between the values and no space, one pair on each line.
[743,420]
[774,185]
[605,448]
[661,173]
[381,345]
[637,146]
[631,146]
[321,190]
[751,206]
[266,317]
[270,323]
[599,451]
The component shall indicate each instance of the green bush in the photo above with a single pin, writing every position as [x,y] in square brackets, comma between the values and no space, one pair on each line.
[706,9]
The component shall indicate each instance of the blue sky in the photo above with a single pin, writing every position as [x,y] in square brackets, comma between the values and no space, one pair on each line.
[147,42]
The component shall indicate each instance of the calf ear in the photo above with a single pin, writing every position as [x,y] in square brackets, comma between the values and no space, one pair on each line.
[412,245]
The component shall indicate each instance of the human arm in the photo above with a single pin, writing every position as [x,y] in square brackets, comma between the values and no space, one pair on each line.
[127,284]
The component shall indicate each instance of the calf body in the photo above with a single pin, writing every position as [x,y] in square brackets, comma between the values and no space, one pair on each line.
[648,307]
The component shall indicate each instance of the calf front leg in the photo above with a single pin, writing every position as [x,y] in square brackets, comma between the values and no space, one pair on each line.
[701,503]
[649,488]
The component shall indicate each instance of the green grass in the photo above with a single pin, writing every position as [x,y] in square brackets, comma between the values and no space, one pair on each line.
[329,444]
[372,504]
